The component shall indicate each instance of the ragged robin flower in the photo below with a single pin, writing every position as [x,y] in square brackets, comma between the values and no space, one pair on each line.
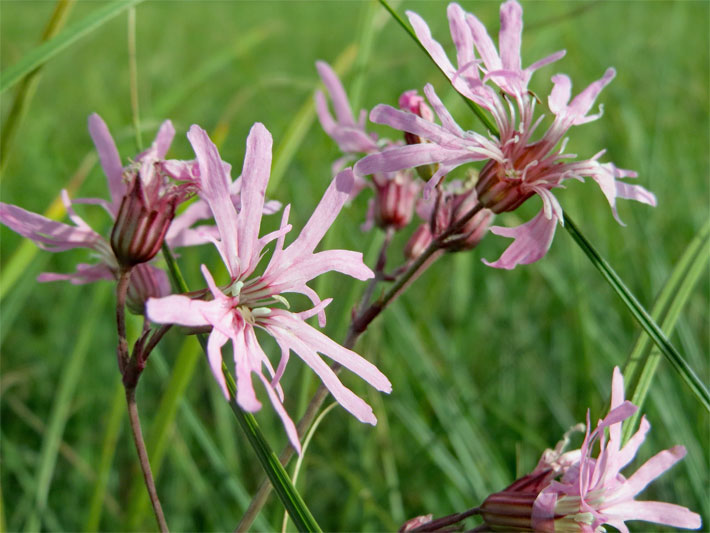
[519,164]
[252,301]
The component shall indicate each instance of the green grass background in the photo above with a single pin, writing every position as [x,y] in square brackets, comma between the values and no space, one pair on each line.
[489,367]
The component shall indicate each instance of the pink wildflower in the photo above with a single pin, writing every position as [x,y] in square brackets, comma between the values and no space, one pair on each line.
[249,301]
[350,136]
[591,491]
[519,166]
[148,198]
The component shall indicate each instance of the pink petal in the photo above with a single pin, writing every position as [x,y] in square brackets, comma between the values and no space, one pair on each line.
[110,160]
[255,177]
[560,94]
[290,427]
[653,468]
[447,121]
[180,310]
[215,191]
[337,93]
[322,218]
[84,274]
[319,342]
[430,45]
[214,356]
[164,139]
[461,35]
[509,38]
[582,103]
[47,234]
[344,396]
[532,241]
[484,44]
[658,512]
[243,357]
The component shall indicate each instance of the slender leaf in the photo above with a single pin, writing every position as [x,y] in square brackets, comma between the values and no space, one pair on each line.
[645,356]
[641,315]
[116,415]
[46,51]
[72,370]
[291,499]
[635,308]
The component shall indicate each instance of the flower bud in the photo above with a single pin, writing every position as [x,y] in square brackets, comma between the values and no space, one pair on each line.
[141,224]
[394,200]
[418,242]
[474,229]
[146,282]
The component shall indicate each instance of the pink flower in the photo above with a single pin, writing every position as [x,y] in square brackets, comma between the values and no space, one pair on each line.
[349,135]
[574,491]
[252,300]
[519,166]
[148,199]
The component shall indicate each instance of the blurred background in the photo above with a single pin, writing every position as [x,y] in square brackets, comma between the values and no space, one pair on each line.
[489,367]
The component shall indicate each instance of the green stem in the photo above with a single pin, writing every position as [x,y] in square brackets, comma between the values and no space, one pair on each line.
[143,457]
[634,307]
[290,498]
[478,110]
[640,314]
[28,85]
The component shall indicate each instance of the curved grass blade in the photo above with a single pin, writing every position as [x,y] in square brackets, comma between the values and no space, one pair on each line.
[60,411]
[304,447]
[644,357]
[301,123]
[46,51]
[636,309]
[116,415]
[641,315]
[28,86]
[289,496]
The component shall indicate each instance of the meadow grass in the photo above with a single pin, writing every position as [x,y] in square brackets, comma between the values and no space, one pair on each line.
[489,367]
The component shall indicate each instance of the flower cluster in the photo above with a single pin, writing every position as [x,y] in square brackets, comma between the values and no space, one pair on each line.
[575,491]
[517,164]
[253,301]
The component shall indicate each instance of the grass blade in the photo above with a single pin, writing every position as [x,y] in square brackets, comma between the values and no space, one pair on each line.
[636,309]
[289,496]
[46,51]
[641,315]
[28,86]
[60,410]
[114,421]
[643,359]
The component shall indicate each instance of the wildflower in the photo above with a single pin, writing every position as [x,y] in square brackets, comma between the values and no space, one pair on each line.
[57,237]
[252,300]
[350,136]
[518,166]
[574,491]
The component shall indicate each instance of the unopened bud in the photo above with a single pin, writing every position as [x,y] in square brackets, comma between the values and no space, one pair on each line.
[511,509]
[474,229]
[394,201]
[146,282]
[141,225]
[418,242]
